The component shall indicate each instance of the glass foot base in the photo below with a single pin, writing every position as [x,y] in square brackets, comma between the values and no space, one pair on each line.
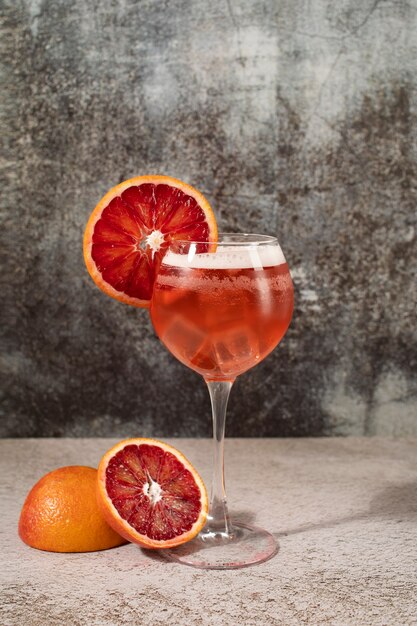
[245,546]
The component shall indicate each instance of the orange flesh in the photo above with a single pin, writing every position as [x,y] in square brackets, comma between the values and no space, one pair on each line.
[133,232]
[153,491]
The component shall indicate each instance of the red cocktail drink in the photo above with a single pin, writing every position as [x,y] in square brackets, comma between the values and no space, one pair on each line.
[217,313]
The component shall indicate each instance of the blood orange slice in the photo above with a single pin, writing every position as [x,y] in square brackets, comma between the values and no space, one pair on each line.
[131,227]
[150,494]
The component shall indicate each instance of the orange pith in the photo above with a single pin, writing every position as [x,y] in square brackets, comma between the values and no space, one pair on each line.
[130,229]
[61,514]
[151,494]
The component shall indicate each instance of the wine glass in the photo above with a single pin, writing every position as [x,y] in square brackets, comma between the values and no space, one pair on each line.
[220,308]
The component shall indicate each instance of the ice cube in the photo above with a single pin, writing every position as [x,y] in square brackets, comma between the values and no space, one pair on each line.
[183,338]
[236,349]
[204,359]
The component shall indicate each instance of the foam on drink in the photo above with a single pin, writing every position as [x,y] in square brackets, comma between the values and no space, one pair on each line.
[261,269]
[225,258]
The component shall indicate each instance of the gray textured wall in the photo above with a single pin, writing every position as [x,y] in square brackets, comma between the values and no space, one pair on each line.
[295,118]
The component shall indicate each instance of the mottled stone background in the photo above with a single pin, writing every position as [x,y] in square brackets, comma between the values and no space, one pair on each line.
[295,118]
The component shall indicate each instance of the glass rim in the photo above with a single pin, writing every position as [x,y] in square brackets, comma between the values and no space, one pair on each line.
[233,239]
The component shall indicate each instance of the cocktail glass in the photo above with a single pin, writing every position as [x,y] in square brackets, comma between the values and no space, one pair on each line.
[220,308]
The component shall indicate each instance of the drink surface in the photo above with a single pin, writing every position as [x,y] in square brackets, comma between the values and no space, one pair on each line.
[221,313]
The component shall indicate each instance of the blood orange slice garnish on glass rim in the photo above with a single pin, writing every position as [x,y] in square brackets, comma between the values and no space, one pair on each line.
[131,227]
[150,494]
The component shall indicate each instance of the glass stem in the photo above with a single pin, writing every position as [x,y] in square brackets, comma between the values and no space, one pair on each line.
[218,519]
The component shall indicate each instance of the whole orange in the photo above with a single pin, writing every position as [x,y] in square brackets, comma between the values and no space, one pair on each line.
[60,513]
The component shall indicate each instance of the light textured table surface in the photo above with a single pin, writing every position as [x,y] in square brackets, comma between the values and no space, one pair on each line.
[344,512]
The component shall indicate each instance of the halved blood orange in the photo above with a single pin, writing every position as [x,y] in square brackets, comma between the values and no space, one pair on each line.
[131,227]
[150,494]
